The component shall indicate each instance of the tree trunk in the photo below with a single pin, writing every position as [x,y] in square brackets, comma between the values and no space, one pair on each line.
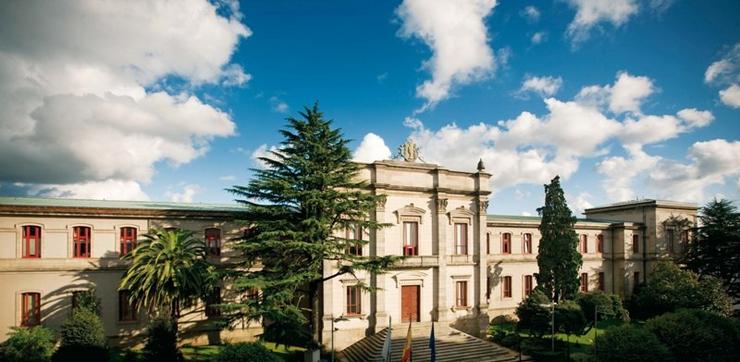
[174,314]
[316,314]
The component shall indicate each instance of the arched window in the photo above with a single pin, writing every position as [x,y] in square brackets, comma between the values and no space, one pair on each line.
[128,239]
[506,243]
[213,241]
[81,241]
[31,241]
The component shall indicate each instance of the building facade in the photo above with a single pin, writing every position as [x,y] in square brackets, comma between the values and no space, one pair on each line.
[462,267]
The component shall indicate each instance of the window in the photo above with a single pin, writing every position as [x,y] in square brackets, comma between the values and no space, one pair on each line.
[602,286]
[527,243]
[506,243]
[461,294]
[527,285]
[354,296]
[600,243]
[584,243]
[212,302]
[635,243]
[410,238]
[488,243]
[636,280]
[669,238]
[31,309]
[126,310]
[213,242]
[684,239]
[461,239]
[81,241]
[584,282]
[31,241]
[507,287]
[354,233]
[128,240]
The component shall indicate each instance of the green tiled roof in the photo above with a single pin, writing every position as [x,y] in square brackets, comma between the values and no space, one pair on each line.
[115,204]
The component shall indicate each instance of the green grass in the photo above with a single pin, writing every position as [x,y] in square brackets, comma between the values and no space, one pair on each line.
[207,353]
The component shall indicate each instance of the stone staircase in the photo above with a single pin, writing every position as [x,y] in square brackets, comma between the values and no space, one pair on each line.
[452,345]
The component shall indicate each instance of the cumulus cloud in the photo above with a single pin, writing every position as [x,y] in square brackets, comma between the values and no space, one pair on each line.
[531,13]
[372,148]
[107,189]
[726,72]
[731,96]
[539,37]
[457,35]
[278,105]
[620,172]
[544,86]
[186,193]
[263,151]
[83,98]
[625,95]
[591,13]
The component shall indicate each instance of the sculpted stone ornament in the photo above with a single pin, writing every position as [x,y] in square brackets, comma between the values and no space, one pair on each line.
[409,151]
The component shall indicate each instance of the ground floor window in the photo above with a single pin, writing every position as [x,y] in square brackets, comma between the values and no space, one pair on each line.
[354,296]
[31,309]
[601,281]
[507,286]
[126,310]
[461,294]
[527,285]
[212,302]
[584,282]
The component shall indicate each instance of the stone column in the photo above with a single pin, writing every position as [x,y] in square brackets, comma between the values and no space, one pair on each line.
[440,284]
[378,313]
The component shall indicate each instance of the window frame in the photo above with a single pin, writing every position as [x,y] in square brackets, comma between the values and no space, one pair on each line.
[127,243]
[506,287]
[528,282]
[78,240]
[208,236]
[600,243]
[213,298]
[506,243]
[461,294]
[527,243]
[461,246]
[413,248]
[583,281]
[353,293]
[602,282]
[583,243]
[635,243]
[26,240]
[26,314]
[354,248]
[127,313]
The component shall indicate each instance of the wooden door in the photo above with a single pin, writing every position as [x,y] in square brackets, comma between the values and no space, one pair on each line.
[410,303]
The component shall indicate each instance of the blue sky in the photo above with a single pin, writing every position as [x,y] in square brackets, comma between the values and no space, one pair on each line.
[211,83]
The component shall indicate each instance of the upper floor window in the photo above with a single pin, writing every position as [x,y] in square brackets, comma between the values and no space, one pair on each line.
[126,310]
[507,286]
[506,243]
[527,285]
[527,243]
[584,282]
[354,296]
[81,241]
[602,286]
[488,243]
[461,239]
[213,242]
[635,243]
[30,309]
[354,233]
[410,238]
[600,243]
[31,241]
[584,243]
[128,240]
[461,294]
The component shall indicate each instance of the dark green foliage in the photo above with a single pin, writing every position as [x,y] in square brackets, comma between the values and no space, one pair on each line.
[715,245]
[628,343]
[668,288]
[239,352]
[609,306]
[83,328]
[558,258]
[569,318]
[295,207]
[533,317]
[81,353]
[28,345]
[696,335]
[87,300]
[161,342]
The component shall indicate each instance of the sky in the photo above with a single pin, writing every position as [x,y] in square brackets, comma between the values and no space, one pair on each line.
[174,101]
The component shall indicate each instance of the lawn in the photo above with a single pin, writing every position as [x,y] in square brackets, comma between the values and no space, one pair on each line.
[207,353]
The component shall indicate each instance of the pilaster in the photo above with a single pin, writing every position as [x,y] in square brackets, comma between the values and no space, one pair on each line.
[441,307]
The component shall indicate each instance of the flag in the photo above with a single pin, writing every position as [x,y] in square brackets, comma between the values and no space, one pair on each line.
[407,348]
[387,344]
[432,345]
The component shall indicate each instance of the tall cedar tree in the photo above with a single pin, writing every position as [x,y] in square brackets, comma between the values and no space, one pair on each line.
[558,258]
[297,208]
[715,246]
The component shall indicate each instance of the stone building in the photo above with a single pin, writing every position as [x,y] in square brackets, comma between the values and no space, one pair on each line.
[462,266]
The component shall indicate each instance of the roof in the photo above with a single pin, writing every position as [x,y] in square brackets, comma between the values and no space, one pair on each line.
[644,202]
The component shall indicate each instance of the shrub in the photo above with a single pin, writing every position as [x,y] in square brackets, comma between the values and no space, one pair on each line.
[569,318]
[28,345]
[609,306]
[161,342]
[694,335]
[246,352]
[83,328]
[628,343]
[87,300]
[77,353]
[533,317]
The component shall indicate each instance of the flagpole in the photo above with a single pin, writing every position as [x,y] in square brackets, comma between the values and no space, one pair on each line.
[390,350]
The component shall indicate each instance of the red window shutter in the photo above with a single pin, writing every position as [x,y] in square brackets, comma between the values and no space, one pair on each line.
[128,240]
[31,309]
[81,241]
[31,241]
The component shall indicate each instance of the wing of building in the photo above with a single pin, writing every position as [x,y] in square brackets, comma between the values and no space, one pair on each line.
[462,266]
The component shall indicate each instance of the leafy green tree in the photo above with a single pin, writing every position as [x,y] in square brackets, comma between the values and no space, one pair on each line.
[715,245]
[569,318]
[161,341]
[609,306]
[35,344]
[697,335]
[297,206]
[669,288]
[168,270]
[87,300]
[83,328]
[533,315]
[630,343]
[558,258]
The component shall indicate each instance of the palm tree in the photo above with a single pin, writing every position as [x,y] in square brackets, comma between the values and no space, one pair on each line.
[168,269]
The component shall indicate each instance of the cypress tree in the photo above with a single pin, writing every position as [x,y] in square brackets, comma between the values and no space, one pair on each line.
[296,209]
[558,258]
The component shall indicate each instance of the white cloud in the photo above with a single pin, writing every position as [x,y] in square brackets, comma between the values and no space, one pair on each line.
[279,105]
[372,148]
[590,13]
[83,91]
[539,37]
[107,189]
[263,151]
[185,195]
[625,95]
[525,213]
[457,35]
[696,118]
[531,13]
[620,172]
[718,69]
[731,96]
[580,202]
[544,86]
[227,178]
